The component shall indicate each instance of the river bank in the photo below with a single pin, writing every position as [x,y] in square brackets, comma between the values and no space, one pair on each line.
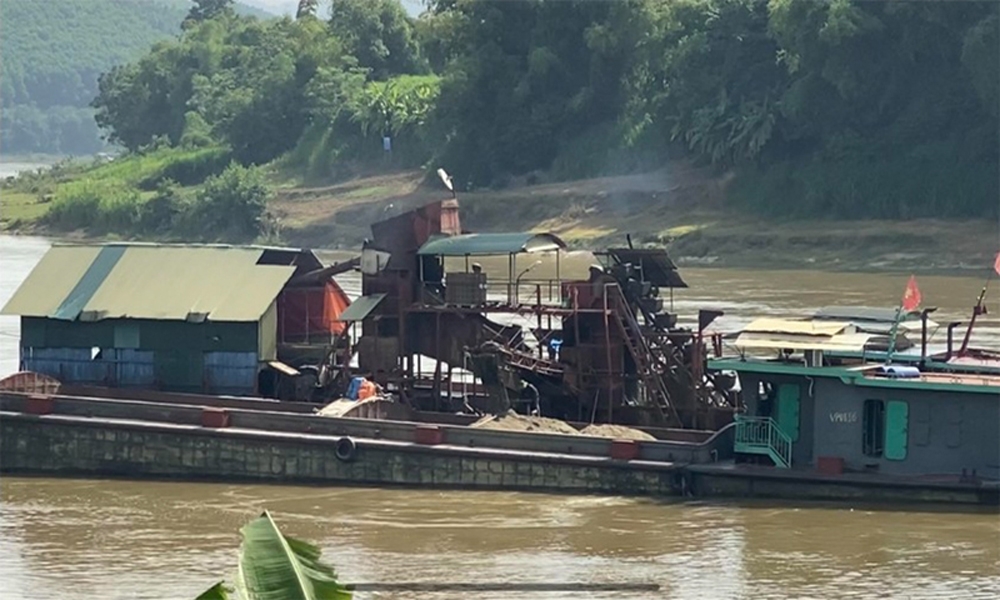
[681,206]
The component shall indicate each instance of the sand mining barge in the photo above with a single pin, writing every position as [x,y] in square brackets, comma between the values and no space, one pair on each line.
[251,363]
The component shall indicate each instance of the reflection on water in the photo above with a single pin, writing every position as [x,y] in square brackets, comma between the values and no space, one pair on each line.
[113,539]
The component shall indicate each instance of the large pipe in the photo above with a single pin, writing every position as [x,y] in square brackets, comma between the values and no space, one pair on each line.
[326,272]
[978,309]
[923,333]
[951,339]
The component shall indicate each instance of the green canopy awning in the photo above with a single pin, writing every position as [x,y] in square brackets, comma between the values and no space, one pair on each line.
[491,244]
[361,308]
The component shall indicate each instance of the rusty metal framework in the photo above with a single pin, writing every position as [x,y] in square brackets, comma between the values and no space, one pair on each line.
[597,350]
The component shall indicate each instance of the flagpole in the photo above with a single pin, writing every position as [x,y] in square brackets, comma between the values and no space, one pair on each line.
[892,334]
[911,300]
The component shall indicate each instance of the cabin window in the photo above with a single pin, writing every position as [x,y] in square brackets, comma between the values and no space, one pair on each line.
[873,421]
[922,424]
[953,425]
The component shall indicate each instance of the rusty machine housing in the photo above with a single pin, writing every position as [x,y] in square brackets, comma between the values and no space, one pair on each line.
[599,350]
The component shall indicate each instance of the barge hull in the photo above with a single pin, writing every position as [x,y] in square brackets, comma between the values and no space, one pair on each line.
[73,446]
[68,445]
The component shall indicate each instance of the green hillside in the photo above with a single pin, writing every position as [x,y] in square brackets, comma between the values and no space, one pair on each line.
[53,53]
[843,110]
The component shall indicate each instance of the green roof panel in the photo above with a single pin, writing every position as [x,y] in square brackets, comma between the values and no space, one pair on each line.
[88,285]
[155,281]
[361,308]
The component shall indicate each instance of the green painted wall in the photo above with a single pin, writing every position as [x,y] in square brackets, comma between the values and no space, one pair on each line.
[178,347]
[153,335]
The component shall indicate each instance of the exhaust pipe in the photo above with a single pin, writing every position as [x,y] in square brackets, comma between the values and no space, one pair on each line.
[923,334]
[951,339]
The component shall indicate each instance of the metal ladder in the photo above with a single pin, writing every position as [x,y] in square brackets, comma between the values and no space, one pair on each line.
[641,352]
[761,435]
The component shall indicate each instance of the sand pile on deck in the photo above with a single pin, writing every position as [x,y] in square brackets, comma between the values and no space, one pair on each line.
[511,421]
[618,432]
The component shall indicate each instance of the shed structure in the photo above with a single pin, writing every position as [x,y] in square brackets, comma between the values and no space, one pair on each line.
[187,318]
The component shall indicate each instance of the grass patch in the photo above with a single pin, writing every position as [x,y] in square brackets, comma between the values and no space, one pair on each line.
[17,208]
[369,192]
[106,197]
[95,205]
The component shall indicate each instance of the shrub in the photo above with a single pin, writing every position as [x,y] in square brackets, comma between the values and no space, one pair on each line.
[197,132]
[96,206]
[231,205]
[188,168]
[159,214]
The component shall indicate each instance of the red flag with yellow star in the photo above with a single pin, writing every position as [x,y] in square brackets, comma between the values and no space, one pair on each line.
[911,297]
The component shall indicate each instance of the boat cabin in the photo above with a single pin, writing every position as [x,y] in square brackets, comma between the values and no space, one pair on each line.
[813,397]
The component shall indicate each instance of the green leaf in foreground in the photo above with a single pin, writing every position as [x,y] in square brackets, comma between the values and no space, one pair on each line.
[216,592]
[275,567]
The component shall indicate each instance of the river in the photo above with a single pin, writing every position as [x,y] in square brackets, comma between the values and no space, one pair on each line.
[11,169]
[115,539]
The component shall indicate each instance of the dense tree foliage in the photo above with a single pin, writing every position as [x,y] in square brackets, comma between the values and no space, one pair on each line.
[378,34]
[203,10]
[252,82]
[53,53]
[840,107]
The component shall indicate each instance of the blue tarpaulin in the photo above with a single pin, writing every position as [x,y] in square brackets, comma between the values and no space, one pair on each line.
[354,388]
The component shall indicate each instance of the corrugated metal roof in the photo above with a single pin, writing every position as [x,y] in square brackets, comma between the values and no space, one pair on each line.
[848,342]
[220,283]
[486,244]
[876,320]
[226,284]
[795,327]
[51,281]
[361,308]
[73,305]
[858,313]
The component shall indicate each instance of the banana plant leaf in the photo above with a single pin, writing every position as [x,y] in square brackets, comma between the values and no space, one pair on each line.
[275,567]
[216,592]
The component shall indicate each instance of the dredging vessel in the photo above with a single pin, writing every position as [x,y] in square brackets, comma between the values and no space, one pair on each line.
[127,350]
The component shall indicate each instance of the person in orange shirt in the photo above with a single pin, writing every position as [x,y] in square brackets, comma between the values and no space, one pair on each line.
[367,389]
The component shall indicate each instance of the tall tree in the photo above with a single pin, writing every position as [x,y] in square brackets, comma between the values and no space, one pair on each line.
[307,8]
[204,10]
[378,33]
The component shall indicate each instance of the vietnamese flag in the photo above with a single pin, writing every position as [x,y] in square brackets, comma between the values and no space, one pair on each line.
[911,297]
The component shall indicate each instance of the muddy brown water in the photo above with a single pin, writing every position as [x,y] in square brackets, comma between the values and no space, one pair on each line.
[119,539]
